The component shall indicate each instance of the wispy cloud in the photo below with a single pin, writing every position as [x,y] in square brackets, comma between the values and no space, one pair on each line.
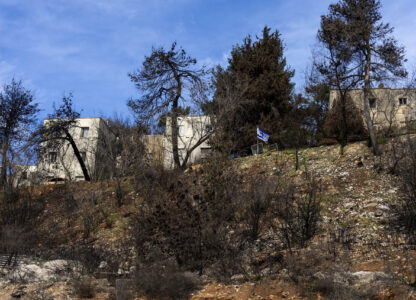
[89,46]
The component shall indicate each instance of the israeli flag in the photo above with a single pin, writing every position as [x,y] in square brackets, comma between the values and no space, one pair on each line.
[262,135]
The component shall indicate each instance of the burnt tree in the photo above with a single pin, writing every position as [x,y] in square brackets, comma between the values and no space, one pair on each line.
[57,131]
[165,78]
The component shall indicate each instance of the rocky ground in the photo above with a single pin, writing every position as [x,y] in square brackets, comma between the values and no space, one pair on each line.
[357,255]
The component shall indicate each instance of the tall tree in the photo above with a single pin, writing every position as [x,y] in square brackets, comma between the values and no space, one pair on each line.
[165,79]
[57,131]
[17,113]
[181,111]
[318,100]
[333,65]
[369,51]
[298,127]
[258,68]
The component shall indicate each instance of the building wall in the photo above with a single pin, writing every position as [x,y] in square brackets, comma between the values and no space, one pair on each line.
[192,129]
[388,110]
[25,175]
[66,165]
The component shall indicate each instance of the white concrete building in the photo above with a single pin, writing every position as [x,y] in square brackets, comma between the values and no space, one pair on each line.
[194,132]
[62,164]
[24,175]
[388,107]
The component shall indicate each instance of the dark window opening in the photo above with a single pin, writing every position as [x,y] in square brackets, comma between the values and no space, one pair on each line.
[52,157]
[402,101]
[372,102]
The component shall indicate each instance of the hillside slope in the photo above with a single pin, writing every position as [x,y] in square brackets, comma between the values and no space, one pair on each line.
[355,255]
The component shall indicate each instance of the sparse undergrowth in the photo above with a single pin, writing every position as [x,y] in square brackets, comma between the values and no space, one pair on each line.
[254,219]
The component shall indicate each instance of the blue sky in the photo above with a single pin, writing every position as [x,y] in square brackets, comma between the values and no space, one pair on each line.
[89,46]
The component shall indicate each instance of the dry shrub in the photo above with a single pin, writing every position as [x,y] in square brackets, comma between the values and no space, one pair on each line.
[16,239]
[19,217]
[123,289]
[258,206]
[299,211]
[84,288]
[208,221]
[333,122]
[193,227]
[20,207]
[164,280]
[90,212]
[403,164]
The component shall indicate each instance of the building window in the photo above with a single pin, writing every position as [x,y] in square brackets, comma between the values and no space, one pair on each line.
[205,152]
[84,132]
[402,101]
[182,154]
[83,155]
[372,102]
[52,157]
[180,130]
[207,129]
[24,175]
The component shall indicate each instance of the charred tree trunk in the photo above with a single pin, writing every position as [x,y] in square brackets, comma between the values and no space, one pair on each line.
[78,156]
[366,112]
[344,125]
[174,122]
[297,158]
[175,133]
[5,147]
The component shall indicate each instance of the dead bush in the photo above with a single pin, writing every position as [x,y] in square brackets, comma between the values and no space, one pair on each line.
[20,207]
[299,211]
[208,221]
[89,222]
[258,204]
[19,218]
[403,160]
[119,193]
[194,226]
[333,125]
[164,280]
[16,239]
[123,289]
[91,214]
[84,288]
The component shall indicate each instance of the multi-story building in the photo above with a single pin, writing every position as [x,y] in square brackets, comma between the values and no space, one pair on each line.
[193,134]
[388,107]
[90,136]
[24,175]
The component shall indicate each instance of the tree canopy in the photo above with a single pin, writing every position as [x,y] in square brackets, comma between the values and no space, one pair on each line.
[258,73]
[358,52]
[166,78]
[17,112]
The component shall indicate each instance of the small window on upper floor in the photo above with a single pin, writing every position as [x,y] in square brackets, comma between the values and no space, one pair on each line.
[180,130]
[182,153]
[84,132]
[372,102]
[402,101]
[207,129]
[52,157]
